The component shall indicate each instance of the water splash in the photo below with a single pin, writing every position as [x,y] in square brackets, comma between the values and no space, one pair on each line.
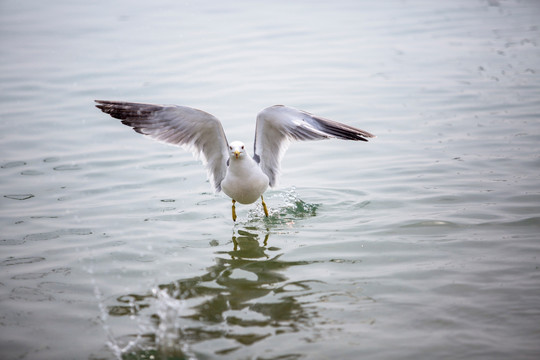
[291,208]
[296,206]
[169,333]
[112,342]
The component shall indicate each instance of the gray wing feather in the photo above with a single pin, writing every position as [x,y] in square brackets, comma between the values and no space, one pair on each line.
[192,129]
[278,125]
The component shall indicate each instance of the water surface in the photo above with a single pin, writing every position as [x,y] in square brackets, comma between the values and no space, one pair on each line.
[422,243]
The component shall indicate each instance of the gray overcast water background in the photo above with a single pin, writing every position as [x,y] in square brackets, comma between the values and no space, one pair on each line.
[422,244]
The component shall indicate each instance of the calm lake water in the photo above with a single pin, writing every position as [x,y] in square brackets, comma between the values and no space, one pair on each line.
[422,244]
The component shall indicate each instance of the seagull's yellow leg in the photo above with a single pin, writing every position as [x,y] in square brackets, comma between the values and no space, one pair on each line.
[264,207]
[233,210]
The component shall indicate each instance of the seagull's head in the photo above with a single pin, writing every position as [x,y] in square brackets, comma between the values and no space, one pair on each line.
[237,149]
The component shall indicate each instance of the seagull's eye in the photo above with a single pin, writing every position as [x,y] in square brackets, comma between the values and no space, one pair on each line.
[242,147]
[230,147]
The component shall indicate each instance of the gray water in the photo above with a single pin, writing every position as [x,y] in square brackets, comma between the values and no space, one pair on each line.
[421,244]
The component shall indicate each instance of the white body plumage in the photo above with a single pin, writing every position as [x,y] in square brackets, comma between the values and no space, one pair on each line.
[244,182]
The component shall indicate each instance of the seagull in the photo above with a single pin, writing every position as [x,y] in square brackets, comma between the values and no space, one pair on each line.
[230,168]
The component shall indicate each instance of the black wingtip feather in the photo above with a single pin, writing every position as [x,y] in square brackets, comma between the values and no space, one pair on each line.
[345,132]
[127,111]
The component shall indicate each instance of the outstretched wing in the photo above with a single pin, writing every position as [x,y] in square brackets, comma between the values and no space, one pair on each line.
[194,130]
[278,125]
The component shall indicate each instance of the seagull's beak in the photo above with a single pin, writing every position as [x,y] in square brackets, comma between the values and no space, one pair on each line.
[237,153]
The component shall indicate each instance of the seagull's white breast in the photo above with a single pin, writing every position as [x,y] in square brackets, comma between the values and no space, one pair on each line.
[244,182]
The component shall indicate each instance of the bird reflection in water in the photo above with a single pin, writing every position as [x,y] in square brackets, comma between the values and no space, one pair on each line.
[242,299]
